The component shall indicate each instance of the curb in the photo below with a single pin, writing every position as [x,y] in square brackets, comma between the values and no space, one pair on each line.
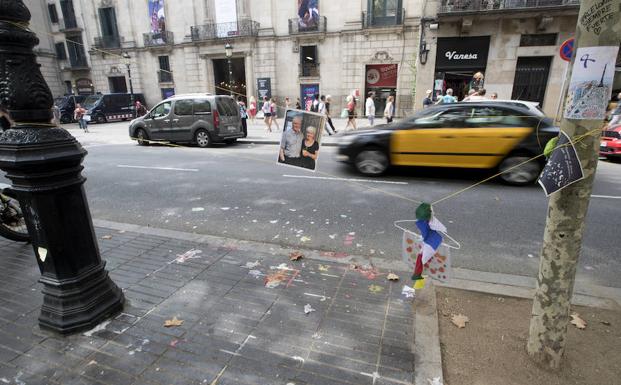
[427,353]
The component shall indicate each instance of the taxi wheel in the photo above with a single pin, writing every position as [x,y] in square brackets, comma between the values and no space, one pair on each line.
[525,174]
[371,162]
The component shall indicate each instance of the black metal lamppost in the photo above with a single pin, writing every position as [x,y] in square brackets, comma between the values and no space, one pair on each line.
[131,85]
[228,51]
[44,164]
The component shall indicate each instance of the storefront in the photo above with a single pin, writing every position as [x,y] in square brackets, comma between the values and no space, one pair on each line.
[381,79]
[457,60]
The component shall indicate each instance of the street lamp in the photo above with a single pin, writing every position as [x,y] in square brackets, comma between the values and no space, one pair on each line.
[131,85]
[228,51]
[44,164]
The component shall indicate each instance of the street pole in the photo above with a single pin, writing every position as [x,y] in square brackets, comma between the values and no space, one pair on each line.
[599,24]
[230,65]
[44,164]
[131,89]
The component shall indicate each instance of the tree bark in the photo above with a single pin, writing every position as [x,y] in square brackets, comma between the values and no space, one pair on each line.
[567,208]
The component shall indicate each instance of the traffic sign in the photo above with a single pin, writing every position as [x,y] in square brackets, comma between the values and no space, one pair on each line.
[567,49]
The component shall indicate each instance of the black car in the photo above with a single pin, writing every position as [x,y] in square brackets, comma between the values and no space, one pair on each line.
[467,135]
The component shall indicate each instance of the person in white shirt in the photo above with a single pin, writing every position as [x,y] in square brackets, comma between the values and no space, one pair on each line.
[389,111]
[370,107]
[478,96]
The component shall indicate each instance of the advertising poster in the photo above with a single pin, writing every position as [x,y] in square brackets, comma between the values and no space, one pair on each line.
[156,14]
[591,83]
[301,139]
[308,15]
[308,91]
[382,75]
[226,18]
[264,88]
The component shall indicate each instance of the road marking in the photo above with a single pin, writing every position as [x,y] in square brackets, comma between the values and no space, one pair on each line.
[159,168]
[344,179]
[605,196]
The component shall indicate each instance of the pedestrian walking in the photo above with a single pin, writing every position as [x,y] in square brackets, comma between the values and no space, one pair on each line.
[448,98]
[78,114]
[244,115]
[328,117]
[322,110]
[267,113]
[274,111]
[389,110]
[477,81]
[298,104]
[315,104]
[351,112]
[287,103]
[252,109]
[493,96]
[428,101]
[141,110]
[369,107]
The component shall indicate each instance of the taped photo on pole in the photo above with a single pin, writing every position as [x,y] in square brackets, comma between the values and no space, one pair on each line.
[591,83]
[563,167]
[301,139]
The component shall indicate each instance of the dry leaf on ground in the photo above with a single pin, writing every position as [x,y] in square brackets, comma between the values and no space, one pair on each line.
[107,237]
[308,309]
[392,277]
[296,255]
[460,320]
[173,322]
[578,322]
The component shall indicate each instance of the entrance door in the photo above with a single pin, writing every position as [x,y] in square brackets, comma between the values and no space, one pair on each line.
[531,78]
[117,84]
[238,77]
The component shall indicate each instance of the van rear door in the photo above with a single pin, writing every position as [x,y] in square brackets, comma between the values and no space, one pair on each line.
[230,121]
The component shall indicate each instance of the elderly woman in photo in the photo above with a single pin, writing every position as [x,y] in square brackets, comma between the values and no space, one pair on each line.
[310,148]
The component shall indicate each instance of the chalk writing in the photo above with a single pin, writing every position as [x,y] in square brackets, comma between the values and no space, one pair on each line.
[594,18]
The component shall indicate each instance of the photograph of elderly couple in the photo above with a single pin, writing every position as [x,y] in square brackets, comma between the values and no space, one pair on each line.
[301,139]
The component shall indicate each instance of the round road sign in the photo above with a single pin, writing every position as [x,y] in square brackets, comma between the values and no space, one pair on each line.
[567,49]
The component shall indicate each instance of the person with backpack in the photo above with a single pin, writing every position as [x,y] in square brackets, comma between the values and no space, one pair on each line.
[244,115]
[267,113]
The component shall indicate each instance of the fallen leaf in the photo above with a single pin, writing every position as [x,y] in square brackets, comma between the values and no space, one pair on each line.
[107,237]
[324,267]
[296,255]
[375,289]
[305,239]
[392,277]
[577,321]
[173,322]
[308,309]
[605,323]
[460,320]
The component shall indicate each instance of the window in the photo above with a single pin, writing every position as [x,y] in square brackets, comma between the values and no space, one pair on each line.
[61,54]
[66,6]
[538,40]
[183,107]
[201,106]
[161,110]
[167,92]
[117,84]
[51,8]
[107,18]
[77,57]
[449,118]
[385,12]
[227,107]
[165,76]
[309,62]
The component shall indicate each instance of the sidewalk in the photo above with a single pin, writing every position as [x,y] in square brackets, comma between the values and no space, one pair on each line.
[243,310]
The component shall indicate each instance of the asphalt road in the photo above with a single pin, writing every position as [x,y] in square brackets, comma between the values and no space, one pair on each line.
[240,192]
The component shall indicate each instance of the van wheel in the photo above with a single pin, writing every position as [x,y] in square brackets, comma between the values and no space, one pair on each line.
[100,119]
[519,176]
[371,162]
[142,137]
[202,138]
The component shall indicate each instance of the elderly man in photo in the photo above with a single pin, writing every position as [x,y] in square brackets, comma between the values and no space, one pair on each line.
[291,144]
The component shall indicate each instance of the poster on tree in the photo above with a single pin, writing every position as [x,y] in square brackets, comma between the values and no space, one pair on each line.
[563,167]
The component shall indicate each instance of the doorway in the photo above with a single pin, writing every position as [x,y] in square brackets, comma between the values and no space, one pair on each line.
[459,81]
[238,77]
[117,84]
[531,78]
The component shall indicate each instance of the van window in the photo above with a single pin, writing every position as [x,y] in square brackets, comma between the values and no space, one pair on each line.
[201,106]
[183,107]
[227,107]
[161,110]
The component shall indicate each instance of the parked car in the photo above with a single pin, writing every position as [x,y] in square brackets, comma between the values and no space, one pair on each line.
[465,135]
[610,146]
[66,106]
[193,118]
[102,108]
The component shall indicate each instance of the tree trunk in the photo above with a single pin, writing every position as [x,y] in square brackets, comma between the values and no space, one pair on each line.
[568,208]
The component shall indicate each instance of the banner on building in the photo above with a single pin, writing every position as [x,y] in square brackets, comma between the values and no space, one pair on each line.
[226,18]
[264,88]
[308,15]
[157,16]
[381,75]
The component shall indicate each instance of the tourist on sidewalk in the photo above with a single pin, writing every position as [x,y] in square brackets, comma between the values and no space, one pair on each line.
[370,107]
[141,110]
[351,112]
[448,98]
[252,109]
[322,110]
[298,104]
[315,103]
[428,101]
[78,114]
[287,103]
[274,111]
[329,118]
[244,115]
[267,113]
[389,110]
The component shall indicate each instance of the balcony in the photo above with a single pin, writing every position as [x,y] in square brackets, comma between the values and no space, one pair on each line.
[451,7]
[68,25]
[309,70]
[242,28]
[164,76]
[107,42]
[78,64]
[158,39]
[295,27]
[372,21]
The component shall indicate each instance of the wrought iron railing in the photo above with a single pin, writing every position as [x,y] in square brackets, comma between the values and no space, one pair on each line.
[244,27]
[369,20]
[164,76]
[456,6]
[103,42]
[309,70]
[298,25]
[157,39]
